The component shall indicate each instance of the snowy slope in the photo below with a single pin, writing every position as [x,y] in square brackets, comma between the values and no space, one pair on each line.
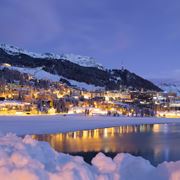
[168,85]
[77,59]
[82,85]
[82,60]
[110,79]
[39,73]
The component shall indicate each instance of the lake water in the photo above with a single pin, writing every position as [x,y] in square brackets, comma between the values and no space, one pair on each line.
[157,143]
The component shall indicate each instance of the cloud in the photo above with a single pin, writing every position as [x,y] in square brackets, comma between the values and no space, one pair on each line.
[87,24]
[27,22]
[145,34]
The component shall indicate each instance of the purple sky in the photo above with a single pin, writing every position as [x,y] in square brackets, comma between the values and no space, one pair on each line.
[144,34]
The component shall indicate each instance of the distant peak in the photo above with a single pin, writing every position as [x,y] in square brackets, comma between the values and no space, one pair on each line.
[77,59]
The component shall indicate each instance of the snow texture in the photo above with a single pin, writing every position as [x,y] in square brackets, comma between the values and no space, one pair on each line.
[77,59]
[28,159]
[44,124]
[39,73]
[168,85]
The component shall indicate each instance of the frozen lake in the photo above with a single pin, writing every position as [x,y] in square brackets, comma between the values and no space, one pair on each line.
[157,143]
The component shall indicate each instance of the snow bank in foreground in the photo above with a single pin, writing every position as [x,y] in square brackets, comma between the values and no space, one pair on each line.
[27,159]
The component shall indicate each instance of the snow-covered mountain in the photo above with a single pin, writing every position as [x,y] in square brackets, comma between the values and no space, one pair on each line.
[81,60]
[72,69]
[39,74]
[168,85]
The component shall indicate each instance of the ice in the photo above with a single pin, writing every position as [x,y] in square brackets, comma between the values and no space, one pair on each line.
[40,124]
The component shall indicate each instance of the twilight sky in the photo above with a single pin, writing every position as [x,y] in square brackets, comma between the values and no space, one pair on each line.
[143,34]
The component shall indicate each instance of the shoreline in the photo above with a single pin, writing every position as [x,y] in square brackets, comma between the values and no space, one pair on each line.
[43,124]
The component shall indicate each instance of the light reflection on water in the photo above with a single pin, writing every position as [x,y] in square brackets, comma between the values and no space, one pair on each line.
[156,143]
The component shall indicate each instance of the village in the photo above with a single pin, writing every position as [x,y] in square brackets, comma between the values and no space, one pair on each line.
[58,98]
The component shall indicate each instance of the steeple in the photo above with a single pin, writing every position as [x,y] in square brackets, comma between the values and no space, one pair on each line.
[122,65]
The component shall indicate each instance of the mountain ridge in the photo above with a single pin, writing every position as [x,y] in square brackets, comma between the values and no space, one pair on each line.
[78,59]
[168,85]
[109,79]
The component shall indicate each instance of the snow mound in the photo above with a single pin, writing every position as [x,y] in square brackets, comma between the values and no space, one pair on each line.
[77,59]
[33,160]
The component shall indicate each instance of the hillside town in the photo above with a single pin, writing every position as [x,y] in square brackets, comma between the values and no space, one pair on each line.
[21,94]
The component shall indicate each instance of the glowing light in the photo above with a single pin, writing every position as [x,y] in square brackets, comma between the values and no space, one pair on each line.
[156,128]
[105,132]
